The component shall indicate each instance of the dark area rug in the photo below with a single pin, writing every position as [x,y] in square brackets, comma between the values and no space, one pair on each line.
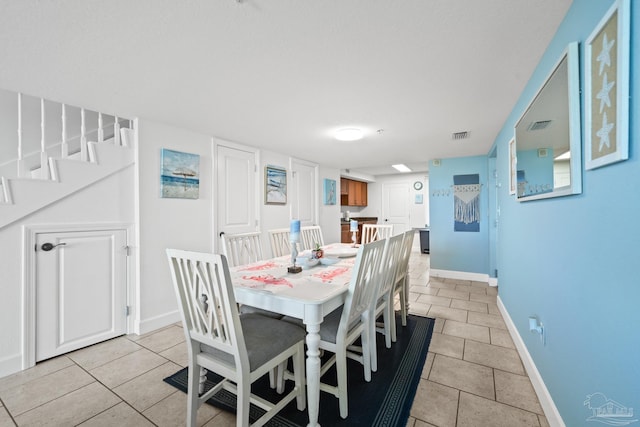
[385,401]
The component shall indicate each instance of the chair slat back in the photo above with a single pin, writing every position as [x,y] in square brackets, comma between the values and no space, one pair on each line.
[280,244]
[364,281]
[373,232]
[389,264]
[242,248]
[205,297]
[405,254]
[311,235]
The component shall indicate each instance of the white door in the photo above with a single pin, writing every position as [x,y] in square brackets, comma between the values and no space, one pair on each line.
[395,206]
[81,289]
[304,200]
[236,188]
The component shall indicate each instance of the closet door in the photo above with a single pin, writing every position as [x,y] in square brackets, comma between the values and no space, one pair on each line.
[236,199]
[81,289]
[304,192]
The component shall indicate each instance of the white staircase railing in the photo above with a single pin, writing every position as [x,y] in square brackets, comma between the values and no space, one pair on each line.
[56,138]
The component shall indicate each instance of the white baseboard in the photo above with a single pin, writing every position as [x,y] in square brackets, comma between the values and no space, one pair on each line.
[150,325]
[10,365]
[549,408]
[461,275]
[493,281]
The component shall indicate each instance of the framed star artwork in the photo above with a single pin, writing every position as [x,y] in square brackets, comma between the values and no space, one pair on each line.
[607,88]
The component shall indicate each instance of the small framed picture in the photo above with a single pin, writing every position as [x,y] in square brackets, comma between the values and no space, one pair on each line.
[329,191]
[180,175]
[607,88]
[275,185]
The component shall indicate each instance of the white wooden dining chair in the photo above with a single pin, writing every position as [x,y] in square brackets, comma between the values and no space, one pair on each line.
[239,348]
[280,244]
[311,235]
[371,232]
[401,286]
[383,302]
[343,326]
[242,248]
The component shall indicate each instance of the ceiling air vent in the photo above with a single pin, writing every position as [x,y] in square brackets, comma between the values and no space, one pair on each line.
[460,135]
[542,124]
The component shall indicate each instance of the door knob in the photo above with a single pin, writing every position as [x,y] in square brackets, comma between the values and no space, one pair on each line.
[48,246]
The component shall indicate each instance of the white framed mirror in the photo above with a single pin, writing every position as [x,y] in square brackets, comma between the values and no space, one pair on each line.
[548,136]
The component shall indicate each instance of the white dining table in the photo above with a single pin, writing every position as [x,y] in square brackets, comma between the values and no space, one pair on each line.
[309,295]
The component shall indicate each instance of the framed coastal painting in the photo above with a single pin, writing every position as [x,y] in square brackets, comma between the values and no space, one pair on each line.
[179,174]
[329,191]
[607,88]
[275,185]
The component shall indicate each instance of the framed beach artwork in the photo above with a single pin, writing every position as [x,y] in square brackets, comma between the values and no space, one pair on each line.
[180,175]
[607,88]
[329,191]
[275,185]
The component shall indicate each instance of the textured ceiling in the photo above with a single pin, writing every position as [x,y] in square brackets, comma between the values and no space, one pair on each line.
[284,74]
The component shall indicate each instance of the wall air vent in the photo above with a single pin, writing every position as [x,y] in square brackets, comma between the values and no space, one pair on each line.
[542,124]
[460,135]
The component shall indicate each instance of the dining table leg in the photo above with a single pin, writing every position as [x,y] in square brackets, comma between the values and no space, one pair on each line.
[313,372]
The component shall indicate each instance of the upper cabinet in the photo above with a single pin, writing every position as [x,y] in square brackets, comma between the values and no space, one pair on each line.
[353,193]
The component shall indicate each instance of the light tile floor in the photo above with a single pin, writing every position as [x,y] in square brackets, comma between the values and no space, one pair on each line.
[473,375]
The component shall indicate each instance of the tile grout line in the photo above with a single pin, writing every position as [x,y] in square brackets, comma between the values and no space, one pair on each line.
[122,400]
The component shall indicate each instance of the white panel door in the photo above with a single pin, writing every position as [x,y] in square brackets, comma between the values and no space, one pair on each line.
[304,192]
[236,188]
[395,206]
[81,289]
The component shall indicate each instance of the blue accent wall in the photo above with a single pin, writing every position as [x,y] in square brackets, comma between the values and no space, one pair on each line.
[463,251]
[574,262]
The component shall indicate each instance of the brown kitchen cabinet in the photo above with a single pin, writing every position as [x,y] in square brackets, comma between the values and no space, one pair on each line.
[345,234]
[353,193]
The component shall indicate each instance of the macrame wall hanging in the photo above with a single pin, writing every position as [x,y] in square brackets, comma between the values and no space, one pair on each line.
[466,202]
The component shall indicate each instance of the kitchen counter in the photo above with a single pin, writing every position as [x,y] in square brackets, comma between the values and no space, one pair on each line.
[359,218]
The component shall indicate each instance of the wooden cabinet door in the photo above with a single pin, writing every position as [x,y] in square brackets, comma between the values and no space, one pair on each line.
[353,193]
[345,235]
[363,197]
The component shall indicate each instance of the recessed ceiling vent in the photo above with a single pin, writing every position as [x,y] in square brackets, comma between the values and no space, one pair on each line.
[460,135]
[542,124]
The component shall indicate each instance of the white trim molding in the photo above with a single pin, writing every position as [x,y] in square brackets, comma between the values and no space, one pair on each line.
[10,364]
[157,322]
[461,275]
[548,406]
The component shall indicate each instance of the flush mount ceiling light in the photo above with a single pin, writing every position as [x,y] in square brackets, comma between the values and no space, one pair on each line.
[349,134]
[401,168]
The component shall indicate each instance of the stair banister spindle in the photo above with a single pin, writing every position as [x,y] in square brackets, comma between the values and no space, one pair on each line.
[100,129]
[21,171]
[64,146]
[83,136]
[44,167]
[116,131]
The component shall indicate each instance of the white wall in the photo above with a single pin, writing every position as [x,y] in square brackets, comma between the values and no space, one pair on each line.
[278,216]
[134,195]
[108,201]
[419,213]
[168,223]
